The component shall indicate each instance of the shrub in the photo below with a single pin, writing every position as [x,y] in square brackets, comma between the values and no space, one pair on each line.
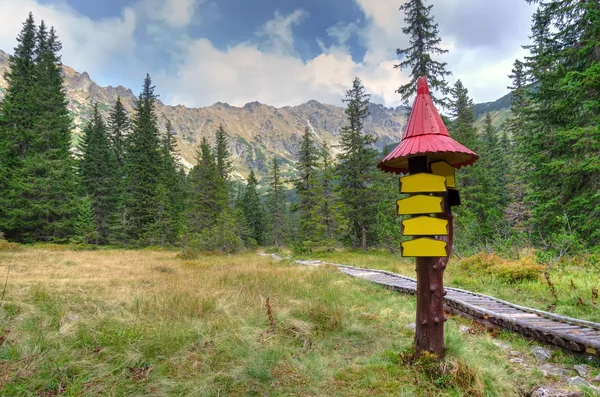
[509,271]
[8,246]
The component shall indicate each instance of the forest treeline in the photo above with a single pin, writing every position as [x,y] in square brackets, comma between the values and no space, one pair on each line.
[537,181]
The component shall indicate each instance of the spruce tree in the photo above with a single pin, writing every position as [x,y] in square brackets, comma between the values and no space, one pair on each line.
[518,208]
[223,157]
[16,121]
[143,170]
[171,189]
[41,199]
[424,42]
[328,203]
[276,204]
[118,128]
[253,210]
[97,170]
[118,131]
[308,233]
[356,165]
[562,127]
[477,218]
[207,193]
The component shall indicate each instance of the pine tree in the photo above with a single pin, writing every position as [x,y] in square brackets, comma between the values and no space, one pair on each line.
[253,210]
[118,123]
[328,204]
[478,215]
[16,120]
[85,223]
[517,211]
[143,170]
[118,131]
[356,165]
[171,189]
[276,204]
[562,132]
[207,195]
[309,228]
[424,42]
[97,170]
[40,200]
[223,157]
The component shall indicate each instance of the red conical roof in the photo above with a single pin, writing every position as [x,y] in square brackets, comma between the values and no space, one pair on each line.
[426,134]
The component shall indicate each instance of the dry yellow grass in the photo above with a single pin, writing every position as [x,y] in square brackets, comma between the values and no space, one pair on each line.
[112,322]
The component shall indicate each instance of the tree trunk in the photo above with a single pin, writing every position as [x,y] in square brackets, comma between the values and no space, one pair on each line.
[364,238]
[354,238]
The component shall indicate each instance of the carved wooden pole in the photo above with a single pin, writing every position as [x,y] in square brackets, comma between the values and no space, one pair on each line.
[429,333]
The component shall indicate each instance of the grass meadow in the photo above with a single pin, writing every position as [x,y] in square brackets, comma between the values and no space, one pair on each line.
[146,323]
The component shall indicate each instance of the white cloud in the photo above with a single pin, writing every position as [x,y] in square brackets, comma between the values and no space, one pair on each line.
[175,13]
[278,32]
[483,38]
[87,45]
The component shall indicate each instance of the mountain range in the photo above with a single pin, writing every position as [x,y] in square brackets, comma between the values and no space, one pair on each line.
[256,131]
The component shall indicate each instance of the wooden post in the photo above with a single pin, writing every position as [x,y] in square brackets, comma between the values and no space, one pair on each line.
[430,285]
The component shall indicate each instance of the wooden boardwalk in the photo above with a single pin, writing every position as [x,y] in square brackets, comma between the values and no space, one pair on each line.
[576,335]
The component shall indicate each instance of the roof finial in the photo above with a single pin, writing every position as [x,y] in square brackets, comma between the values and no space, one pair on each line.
[422,87]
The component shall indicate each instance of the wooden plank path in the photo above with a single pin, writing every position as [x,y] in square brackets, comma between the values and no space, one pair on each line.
[579,336]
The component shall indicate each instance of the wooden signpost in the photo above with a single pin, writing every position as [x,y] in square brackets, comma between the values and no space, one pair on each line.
[429,157]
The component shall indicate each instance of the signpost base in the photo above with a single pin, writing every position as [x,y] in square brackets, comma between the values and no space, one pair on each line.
[430,321]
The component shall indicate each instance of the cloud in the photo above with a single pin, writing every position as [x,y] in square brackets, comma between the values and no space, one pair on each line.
[342,32]
[278,33]
[484,38]
[175,13]
[87,45]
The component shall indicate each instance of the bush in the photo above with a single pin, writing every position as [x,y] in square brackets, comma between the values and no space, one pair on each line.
[7,246]
[272,250]
[224,236]
[509,271]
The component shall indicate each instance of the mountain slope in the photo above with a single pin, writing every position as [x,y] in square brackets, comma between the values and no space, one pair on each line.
[256,131]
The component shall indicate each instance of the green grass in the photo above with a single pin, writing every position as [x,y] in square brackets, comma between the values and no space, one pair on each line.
[534,293]
[122,323]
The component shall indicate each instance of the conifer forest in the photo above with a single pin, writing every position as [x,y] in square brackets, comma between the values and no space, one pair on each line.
[527,230]
[536,182]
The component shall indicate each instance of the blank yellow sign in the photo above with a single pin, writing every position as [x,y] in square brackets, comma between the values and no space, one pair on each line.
[420,204]
[422,183]
[425,226]
[424,247]
[446,170]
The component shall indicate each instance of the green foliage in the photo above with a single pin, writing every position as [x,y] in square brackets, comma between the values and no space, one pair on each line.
[424,42]
[276,205]
[562,134]
[309,226]
[141,200]
[253,210]
[223,157]
[478,218]
[38,184]
[98,174]
[207,192]
[86,231]
[356,166]
[224,236]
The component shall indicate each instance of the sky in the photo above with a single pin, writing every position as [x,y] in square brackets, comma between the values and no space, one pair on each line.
[277,52]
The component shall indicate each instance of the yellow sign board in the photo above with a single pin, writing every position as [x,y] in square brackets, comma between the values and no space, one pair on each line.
[444,169]
[420,204]
[424,247]
[422,183]
[425,226]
